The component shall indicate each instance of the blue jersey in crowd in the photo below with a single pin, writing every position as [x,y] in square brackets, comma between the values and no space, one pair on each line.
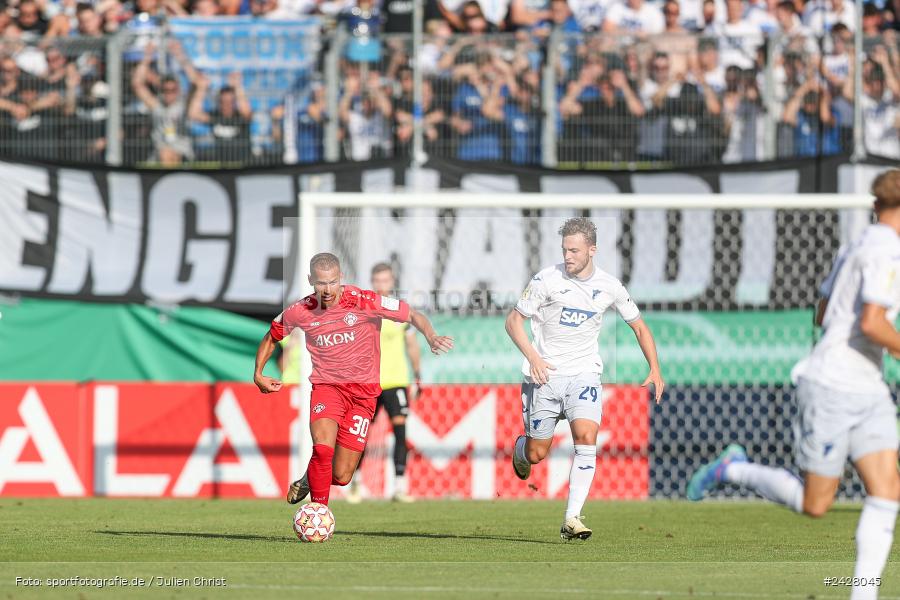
[483,141]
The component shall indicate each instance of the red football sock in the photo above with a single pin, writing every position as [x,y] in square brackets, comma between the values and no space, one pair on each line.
[319,473]
[336,481]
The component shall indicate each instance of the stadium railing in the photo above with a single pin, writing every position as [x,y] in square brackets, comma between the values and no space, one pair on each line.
[54,103]
[298,95]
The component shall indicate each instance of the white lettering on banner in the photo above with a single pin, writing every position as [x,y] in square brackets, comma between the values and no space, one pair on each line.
[758,232]
[107,482]
[258,240]
[410,238]
[251,467]
[483,183]
[650,254]
[168,252]
[609,229]
[377,180]
[55,466]
[333,339]
[850,179]
[477,427]
[91,240]
[493,239]
[18,225]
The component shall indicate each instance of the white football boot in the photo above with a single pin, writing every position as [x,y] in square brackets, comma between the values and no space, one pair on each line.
[298,490]
[572,528]
[354,494]
[401,493]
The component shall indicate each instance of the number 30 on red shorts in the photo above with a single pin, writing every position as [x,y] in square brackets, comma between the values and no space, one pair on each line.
[352,413]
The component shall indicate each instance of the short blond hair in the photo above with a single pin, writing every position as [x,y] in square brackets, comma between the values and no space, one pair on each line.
[886,189]
[324,261]
[581,225]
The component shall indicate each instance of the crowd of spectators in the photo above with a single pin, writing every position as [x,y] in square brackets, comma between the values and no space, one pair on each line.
[631,81]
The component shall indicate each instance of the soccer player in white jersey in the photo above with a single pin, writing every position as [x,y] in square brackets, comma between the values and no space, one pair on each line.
[565,304]
[844,406]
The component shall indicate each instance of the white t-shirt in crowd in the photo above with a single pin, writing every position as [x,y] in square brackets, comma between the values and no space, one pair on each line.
[880,125]
[647,19]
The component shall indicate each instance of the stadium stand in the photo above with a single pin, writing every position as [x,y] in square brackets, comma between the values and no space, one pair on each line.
[636,83]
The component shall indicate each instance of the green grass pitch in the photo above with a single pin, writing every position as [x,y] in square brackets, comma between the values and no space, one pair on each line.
[430,549]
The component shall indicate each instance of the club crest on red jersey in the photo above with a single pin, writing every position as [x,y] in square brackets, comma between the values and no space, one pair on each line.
[351,319]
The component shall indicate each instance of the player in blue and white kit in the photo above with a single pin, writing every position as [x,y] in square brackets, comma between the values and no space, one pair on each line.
[565,304]
[845,407]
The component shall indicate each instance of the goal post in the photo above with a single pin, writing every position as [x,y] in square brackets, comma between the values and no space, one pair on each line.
[726,281]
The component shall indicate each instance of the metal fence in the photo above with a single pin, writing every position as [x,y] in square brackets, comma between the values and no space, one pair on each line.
[54,100]
[216,92]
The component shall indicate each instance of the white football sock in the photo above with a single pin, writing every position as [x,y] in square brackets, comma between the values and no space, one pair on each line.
[580,477]
[777,485]
[874,536]
[400,485]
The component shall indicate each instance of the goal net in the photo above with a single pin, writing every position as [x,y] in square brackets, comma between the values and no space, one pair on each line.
[726,282]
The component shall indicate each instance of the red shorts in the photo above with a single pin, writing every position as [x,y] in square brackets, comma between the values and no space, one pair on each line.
[352,413]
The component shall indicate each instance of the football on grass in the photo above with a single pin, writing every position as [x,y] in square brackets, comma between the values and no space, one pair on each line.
[314,523]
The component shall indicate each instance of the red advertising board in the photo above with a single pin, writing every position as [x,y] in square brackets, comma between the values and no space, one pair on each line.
[228,440]
[45,440]
[462,437]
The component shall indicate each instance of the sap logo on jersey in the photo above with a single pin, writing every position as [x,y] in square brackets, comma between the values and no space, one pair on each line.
[573,317]
[333,339]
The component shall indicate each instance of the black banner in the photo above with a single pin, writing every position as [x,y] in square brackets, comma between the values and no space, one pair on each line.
[219,238]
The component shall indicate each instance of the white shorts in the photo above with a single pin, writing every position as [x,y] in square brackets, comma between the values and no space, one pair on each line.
[833,425]
[565,396]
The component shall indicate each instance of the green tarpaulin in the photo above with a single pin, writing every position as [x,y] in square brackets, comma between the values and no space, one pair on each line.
[61,340]
[72,341]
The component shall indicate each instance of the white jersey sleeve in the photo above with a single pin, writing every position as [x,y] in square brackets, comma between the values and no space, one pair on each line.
[533,297]
[625,306]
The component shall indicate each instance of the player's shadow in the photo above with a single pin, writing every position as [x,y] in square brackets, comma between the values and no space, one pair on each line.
[203,535]
[271,538]
[443,536]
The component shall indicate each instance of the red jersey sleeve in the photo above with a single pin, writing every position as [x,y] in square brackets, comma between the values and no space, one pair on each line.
[283,324]
[384,307]
[278,330]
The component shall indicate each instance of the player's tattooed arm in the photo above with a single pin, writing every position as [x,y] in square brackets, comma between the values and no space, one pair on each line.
[515,329]
[648,347]
[439,344]
[263,353]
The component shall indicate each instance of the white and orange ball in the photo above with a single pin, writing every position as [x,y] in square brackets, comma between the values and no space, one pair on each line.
[314,522]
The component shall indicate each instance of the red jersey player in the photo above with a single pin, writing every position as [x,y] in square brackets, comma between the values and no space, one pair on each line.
[342,324]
